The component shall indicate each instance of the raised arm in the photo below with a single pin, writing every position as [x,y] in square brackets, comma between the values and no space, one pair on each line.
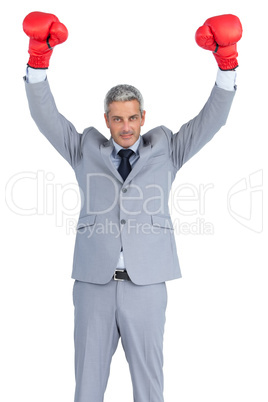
[45,32]
[220,35]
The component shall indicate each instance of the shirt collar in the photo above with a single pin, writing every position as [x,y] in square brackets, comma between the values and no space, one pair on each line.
[134,147]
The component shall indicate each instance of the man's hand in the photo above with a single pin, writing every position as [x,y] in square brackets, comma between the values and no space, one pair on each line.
[45,31]
[220,34]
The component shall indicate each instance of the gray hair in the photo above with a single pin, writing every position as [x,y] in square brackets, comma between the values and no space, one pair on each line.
[123,93]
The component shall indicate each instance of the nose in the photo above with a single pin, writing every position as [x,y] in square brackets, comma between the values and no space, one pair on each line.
[126,127]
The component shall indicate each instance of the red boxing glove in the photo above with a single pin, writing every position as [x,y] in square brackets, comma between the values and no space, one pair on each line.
[220,34]
[45,31]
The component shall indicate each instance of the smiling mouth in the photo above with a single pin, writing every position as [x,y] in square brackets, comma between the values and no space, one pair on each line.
[126,135]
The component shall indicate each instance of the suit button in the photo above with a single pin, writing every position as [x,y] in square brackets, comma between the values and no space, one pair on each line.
[123,222]
[124,190]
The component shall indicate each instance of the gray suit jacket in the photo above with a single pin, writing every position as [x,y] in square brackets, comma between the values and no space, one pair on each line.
[134,214]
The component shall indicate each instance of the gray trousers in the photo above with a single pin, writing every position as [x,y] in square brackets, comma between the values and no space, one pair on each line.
[103,314]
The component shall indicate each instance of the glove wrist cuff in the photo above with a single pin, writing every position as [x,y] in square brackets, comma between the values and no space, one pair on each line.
[39,61]
[226,64]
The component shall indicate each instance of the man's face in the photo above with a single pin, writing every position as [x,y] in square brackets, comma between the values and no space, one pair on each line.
[125,121]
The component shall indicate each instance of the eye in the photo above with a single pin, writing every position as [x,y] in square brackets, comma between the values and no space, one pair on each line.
[116,119]
[133,118]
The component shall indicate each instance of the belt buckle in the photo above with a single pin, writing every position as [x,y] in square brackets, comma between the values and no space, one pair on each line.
[116,279]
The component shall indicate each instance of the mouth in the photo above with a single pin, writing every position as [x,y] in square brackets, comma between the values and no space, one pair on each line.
[126,136]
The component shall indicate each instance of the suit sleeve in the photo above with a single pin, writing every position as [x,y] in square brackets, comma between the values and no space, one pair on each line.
[55,127]
[193,135]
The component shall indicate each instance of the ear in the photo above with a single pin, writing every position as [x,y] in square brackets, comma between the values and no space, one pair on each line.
[106,120]
[143,118]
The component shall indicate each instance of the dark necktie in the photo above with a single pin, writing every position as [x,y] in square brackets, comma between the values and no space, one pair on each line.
[125,166]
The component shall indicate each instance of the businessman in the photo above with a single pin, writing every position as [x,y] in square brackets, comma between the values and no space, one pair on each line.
[125,249]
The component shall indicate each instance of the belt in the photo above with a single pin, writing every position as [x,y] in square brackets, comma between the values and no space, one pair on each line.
[121,275]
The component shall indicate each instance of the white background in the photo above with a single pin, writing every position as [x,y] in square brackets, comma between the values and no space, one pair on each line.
[216,331]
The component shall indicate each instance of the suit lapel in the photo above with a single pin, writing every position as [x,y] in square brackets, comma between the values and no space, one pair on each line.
[144,151]
[106,150]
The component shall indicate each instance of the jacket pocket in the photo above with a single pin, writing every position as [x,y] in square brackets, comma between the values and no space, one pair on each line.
[162,222]
[88,220]
[157,159]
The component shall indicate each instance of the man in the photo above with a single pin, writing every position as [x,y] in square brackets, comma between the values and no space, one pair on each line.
[125,249]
